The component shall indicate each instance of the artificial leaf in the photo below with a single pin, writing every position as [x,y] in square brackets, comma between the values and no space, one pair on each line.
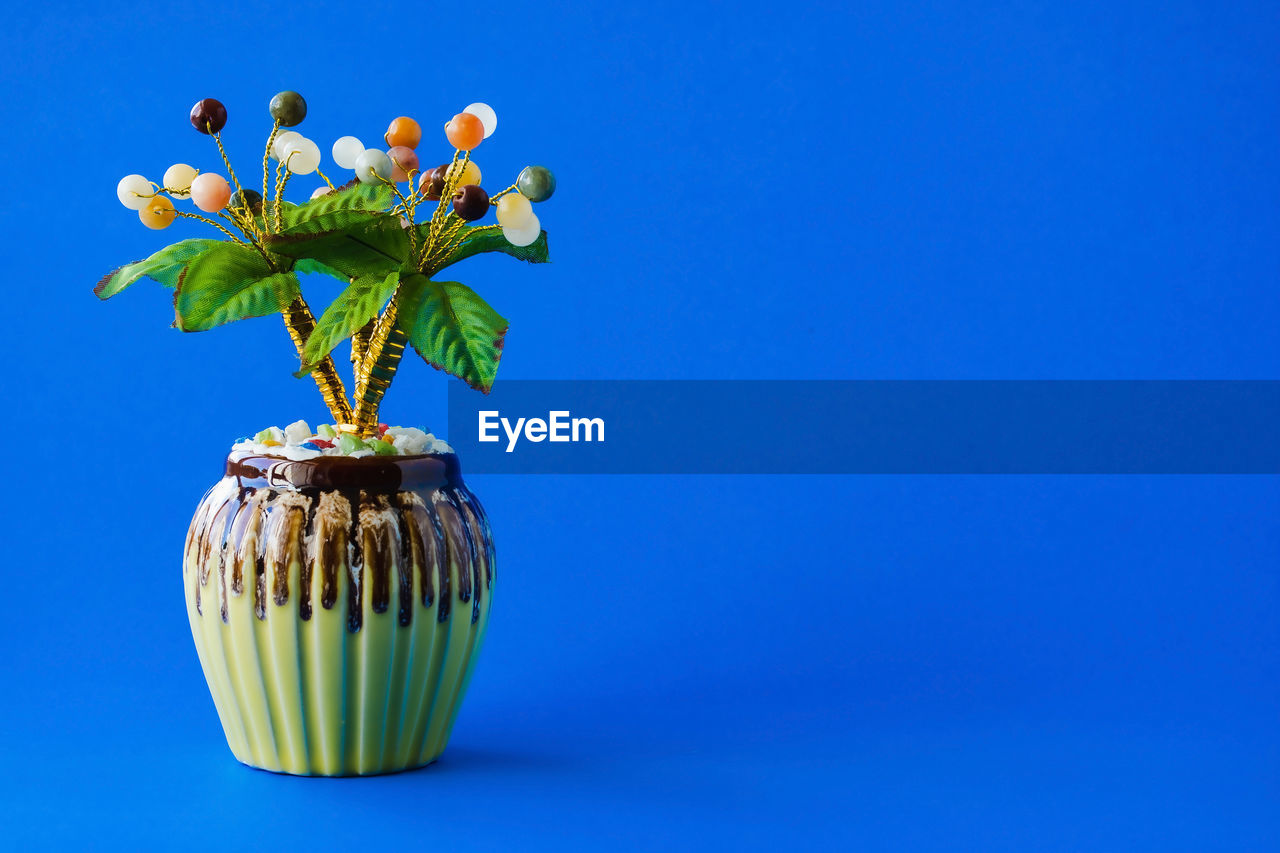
[350,197]
[374,247]
[488,238]
[312,266]
[452,328]
[356,305]
[163,267]
[325,223]
[231,282]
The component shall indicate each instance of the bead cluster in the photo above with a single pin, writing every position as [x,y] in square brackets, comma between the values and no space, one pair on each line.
[297,155]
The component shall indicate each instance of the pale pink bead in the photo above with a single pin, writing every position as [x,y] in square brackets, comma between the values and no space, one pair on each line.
[210,192]
[403,160]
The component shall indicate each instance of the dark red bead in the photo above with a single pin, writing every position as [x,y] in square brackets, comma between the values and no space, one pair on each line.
[209,116]
[433,182]
[471,202]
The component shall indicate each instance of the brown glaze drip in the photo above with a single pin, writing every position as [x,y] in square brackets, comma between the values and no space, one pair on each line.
[375,474]
[374,525]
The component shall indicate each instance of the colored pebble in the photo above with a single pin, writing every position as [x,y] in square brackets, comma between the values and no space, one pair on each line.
[326,431]
[348,444]
[536,183]
[209,116]
[288,108]
[320,442]
[310,445]
[403,131]
[382,448]
[382,429]
[464,131]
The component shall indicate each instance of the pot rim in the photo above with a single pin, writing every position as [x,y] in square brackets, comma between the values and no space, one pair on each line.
[344,473]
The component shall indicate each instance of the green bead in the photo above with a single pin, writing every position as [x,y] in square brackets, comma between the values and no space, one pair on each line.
[348,444]
[288,108]
[382,448]
[242,200]
[326,431]
[536,183]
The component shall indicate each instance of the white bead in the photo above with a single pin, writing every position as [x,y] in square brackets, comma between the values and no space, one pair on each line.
[178,178]
[283,139]
[514,211]
[526,234]
[346,151]
[487,117]
[301,156]
[134,192]
[372,165]
[319,192]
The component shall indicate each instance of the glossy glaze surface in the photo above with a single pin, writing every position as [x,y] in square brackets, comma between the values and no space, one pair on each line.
[337,606]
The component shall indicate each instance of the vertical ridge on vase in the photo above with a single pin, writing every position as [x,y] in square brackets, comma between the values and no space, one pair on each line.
[462,627]
[375,637]
[421,630]
[212,659]
[277,632]
[324,651]
[482,543]
[399,638]
[241,630]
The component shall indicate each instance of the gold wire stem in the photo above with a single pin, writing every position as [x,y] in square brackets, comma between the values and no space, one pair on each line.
[493,199]
[408,214]
[300,323]
[325,179]
[266,158]
[386,348]
[359,346]
[450,238]
[282,178]
[213,222]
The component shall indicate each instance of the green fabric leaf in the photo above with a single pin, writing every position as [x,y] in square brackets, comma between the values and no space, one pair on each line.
[326,223]
[376,246]
[452,328]
[230,283]
[488,238]
[351,197]
[314,267]
[163,267]
[355,306]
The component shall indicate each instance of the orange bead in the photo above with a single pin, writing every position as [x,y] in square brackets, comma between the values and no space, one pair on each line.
[403,131]
[464,131]
[158,213]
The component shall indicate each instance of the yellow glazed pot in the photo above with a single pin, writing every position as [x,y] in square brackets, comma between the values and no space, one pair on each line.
[337,606]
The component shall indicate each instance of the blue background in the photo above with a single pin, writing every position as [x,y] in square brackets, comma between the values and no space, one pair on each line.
[882,190]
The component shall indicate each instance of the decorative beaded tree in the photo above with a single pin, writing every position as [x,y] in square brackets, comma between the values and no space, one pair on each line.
[365,232]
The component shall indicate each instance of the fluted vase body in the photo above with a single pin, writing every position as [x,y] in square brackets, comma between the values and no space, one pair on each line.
[337,606]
